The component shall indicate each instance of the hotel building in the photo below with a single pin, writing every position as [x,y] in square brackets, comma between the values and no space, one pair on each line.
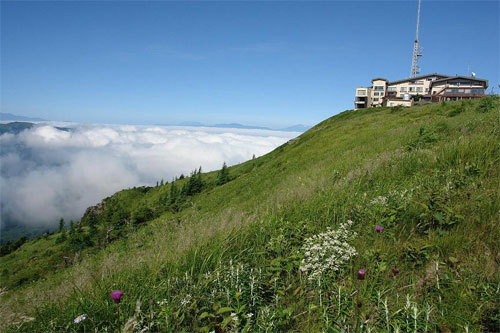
[431,88]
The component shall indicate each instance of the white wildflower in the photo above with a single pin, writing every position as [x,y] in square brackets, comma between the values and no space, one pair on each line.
[380,200]
[80,318]
[186,300]
[328,251]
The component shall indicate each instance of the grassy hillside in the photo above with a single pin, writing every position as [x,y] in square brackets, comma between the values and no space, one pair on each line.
[280,246]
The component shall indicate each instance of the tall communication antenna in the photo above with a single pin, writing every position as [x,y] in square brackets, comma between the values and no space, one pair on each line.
[417,49]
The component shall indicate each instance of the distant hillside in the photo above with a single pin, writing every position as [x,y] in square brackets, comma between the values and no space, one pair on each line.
[19,126]
[295,128]
[10,116]
[382,219]
[15,127]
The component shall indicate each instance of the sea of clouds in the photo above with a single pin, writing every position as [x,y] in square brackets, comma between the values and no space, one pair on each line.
[47,173]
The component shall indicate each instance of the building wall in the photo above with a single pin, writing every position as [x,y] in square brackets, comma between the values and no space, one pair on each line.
[362,93]
[378,92]
[459,86]
[413,87]
[399,102]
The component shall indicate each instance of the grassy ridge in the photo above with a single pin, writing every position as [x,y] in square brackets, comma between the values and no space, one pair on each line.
[233,260]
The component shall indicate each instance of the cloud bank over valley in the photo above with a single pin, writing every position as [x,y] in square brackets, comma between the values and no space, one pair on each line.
[49,172]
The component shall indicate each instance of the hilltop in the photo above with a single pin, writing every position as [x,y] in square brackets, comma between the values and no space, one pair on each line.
[381,219]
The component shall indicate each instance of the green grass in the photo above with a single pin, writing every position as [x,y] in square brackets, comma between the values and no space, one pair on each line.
[231,259]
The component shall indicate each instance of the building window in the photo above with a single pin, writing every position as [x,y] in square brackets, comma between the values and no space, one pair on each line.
[426,89]
[381,94]
[403,89]
[379,87]
[420,89]
[362,92]
[412,89]
[392,89]
[375,99]
[375,93]
[429,79]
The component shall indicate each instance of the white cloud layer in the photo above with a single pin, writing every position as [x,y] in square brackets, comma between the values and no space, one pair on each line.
[48,173]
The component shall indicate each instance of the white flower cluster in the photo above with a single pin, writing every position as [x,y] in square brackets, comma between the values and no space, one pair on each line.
[328,251]
[380,200]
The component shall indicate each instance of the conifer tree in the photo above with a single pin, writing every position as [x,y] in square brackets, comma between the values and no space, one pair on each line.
[173,193]
[61,225]
[62,230]
[71,228]
[223,175]
[174,197]
[92,223]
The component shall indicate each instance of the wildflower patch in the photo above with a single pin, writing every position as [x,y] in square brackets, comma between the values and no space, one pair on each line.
[328,252]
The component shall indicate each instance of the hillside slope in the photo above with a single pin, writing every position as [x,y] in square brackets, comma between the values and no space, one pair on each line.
[275,249]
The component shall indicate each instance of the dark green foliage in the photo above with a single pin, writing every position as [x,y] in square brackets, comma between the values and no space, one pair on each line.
[61,225]
[195,183]
[79,240]
[141,214]
[92,222]
[62,231]
[456,110]
[396,109]
[10,247]
[223,175]
[486,104]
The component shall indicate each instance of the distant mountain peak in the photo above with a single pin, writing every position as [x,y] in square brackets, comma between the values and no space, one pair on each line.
[10,116]
[294,128]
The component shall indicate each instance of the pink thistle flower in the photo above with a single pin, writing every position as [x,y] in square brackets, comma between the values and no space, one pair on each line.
[378,228]
[395,271]
[116,295]
[361,274]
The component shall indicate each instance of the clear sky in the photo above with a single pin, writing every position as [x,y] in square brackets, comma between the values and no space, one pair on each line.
[259,63]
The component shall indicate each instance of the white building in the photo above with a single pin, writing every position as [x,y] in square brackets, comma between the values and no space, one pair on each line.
[432,88]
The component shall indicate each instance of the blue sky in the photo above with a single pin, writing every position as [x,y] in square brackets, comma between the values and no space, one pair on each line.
[259,63]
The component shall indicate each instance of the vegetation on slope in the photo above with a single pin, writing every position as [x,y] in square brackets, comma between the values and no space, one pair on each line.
[274,249]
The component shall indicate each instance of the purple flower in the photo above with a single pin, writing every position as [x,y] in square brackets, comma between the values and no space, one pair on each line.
[116,295]
[395,271]
[361,274]
[378,228]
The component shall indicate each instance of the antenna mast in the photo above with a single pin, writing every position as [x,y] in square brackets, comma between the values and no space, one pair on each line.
[417,49]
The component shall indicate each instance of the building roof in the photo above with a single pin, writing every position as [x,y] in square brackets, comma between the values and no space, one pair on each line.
[380,78]
[461,77]
[419,77]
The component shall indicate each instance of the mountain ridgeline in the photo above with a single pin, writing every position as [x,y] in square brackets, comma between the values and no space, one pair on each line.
[383,219]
